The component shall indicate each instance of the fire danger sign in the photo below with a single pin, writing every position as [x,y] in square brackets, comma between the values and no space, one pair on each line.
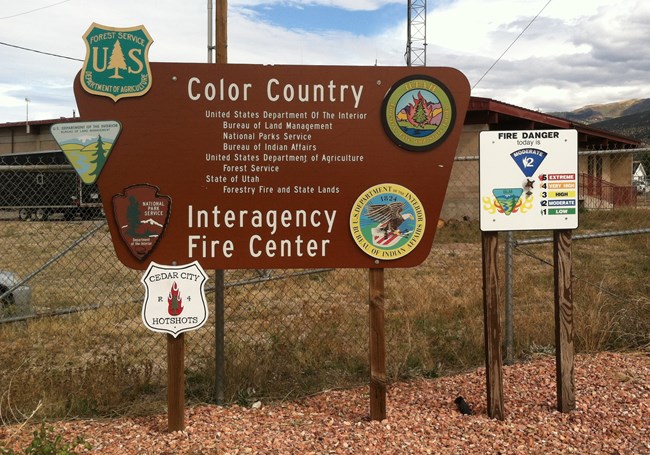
[529,180]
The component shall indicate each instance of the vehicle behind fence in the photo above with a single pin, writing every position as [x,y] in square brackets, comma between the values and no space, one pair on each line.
[72,341]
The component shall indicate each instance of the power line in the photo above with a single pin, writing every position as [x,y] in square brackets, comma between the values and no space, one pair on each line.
[40,52]
[33,10]
[511,44]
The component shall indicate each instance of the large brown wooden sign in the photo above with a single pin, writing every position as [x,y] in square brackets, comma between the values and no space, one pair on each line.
[281,166]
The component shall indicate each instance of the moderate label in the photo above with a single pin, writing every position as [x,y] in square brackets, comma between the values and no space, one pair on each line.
[529,180]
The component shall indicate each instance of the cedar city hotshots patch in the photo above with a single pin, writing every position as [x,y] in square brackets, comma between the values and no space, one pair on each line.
[387,221]
[117,61]
[418,113]
[175,298]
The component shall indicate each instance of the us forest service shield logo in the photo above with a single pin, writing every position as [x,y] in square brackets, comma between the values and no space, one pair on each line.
[418,113]
[141,215]
[387,221]
[117,61]
[175,298]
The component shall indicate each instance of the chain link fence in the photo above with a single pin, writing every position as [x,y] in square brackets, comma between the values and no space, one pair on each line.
[72,342]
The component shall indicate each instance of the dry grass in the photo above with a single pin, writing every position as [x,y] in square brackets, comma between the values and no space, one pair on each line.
[292,337]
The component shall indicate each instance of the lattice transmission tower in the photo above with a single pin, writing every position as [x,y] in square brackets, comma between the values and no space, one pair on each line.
[416,40]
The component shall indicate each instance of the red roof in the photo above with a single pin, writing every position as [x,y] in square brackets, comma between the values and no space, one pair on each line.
[503,116]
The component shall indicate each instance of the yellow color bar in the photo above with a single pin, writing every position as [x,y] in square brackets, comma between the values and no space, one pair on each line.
[562,194]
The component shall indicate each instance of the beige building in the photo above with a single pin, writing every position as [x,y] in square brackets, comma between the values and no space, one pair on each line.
[16,137]
[604,164]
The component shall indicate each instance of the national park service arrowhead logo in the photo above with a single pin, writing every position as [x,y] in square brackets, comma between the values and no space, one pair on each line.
[141,215]
[175,298]
[117,61]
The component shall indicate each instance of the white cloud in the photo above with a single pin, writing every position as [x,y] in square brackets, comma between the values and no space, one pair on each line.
[575,53]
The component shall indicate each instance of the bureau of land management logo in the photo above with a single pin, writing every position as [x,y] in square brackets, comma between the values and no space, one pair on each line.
[418,113]
[87,145]
[117,61]
[387,221]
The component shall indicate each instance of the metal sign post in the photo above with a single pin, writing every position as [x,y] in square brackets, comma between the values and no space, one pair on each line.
[221,25]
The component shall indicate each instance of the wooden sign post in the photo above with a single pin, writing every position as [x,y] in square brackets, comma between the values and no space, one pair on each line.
[564,353]
[377,345]
[529,181]
[175,303]
[492,326]
[176,382]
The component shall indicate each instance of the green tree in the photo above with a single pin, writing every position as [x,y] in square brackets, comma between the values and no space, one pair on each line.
[133,216]
[420,116]
[98,158]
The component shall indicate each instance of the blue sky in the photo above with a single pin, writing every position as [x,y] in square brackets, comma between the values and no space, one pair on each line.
[321,18]
[574,53]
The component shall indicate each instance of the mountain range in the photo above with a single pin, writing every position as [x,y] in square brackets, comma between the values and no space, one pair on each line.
[629,118]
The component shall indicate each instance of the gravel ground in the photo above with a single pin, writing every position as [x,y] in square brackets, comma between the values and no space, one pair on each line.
[612,416]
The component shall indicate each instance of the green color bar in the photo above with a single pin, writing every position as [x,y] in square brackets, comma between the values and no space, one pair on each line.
[566,211]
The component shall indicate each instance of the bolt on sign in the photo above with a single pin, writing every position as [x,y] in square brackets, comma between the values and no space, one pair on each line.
[265,166]
[528,180]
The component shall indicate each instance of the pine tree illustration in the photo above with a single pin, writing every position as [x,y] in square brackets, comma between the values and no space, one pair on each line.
[133,216]
[175,309]
[101,152]
[420,116]
[98,158]
[116,61]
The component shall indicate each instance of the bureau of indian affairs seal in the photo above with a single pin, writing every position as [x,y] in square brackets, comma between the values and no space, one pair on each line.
[387,221]
[418,113]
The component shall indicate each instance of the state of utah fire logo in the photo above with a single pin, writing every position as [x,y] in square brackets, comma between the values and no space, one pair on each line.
[418,113]
[117,61]
[387,221]
[141,215]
